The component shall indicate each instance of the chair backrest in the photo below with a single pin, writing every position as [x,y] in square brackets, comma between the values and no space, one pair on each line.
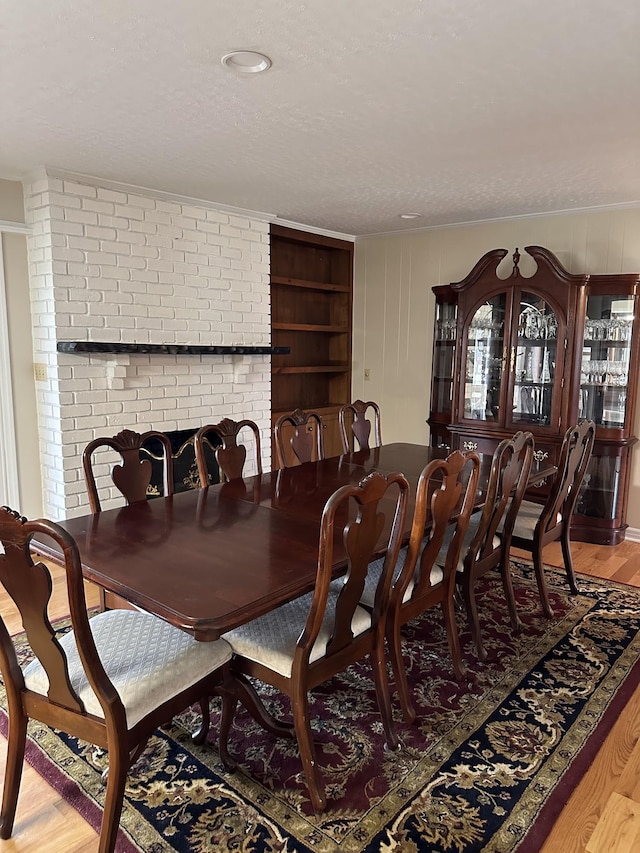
[446,494]
[133,476]
[30,585]
[304,431]
[230,455]
[381,507]
[508,479]
[572,465]
[354,425]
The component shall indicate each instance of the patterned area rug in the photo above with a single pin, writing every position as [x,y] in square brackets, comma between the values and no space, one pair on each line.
[487,766]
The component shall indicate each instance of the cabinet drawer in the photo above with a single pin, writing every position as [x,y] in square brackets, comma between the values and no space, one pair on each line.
[480,443]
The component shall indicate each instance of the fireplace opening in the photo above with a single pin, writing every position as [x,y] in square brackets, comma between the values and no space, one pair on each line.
[185,468]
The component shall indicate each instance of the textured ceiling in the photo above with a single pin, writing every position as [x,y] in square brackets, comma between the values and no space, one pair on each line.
[459,110]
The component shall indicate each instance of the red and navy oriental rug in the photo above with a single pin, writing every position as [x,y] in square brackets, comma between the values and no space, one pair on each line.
[487,766]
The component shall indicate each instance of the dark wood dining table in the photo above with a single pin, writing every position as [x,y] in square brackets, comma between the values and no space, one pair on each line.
[211,559]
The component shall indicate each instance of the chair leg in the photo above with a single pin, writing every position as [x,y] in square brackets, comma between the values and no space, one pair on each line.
[200,735]
[453,638]
[507,583]
[383,694]
[300,705]
[565,541]
[13,773]
[399,671]
[541,580]
[116,780]
[229,703]
[468,584]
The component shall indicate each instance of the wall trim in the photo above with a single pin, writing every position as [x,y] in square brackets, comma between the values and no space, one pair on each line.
[7,227]
[632,534]
[9,485]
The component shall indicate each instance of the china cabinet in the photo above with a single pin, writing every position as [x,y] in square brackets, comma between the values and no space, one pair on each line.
[541,353]
[311,295]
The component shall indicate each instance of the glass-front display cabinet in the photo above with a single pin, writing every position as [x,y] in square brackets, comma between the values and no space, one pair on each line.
[541,353]
[443,365]
[606,394]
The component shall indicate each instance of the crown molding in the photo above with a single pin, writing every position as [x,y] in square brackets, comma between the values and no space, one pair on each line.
[630,205]
[162,195]
[310,229]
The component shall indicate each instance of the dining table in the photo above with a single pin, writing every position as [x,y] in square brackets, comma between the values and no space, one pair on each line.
[209,560]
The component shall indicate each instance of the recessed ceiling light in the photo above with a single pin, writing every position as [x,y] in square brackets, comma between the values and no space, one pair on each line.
[410,215]
[246,61]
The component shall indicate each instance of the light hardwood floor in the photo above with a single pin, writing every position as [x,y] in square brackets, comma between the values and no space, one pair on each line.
[602,815]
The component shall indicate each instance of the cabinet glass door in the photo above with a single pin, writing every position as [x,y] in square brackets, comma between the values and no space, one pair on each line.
[604,373]
[534,361]
[483,360]
[444,359]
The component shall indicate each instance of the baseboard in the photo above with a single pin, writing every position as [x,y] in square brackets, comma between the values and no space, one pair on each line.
[632,534]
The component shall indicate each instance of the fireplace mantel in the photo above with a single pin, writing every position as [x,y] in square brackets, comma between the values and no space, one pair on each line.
[88,347]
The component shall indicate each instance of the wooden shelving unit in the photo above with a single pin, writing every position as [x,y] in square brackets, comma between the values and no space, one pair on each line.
[311,298]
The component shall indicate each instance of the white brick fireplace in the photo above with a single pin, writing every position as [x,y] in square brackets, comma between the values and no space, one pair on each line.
[116,265]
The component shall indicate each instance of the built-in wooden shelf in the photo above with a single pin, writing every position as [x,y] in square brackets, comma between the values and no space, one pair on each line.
[310,285]
[313,368]
[82,347]
[310,327]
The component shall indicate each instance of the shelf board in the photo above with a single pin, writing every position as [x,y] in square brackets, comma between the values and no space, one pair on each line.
[312,368]
[310,285]
[309,327]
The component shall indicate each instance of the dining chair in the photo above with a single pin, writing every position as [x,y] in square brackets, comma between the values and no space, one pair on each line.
[132,476]
[445,496]
[354,425]
[537,525]
[299,434]
[487,542]
[229,455]
[110,680]
[305,642]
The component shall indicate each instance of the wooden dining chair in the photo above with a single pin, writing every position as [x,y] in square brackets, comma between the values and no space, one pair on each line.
[537,525]
[487,542]
[354,425]
[299,436]
[132,476]
[111,680]
[445,496]
[229,455]
[305,642]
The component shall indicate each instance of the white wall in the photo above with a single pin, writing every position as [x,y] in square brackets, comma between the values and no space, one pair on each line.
[122,266]
[23,403]
[394,305]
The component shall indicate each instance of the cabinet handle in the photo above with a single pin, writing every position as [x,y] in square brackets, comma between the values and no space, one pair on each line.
[540,455]
[469,445]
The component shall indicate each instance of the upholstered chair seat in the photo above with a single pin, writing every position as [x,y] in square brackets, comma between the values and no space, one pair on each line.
[147,660]
[271,640]
[466,542]
[375,570]
[527,519]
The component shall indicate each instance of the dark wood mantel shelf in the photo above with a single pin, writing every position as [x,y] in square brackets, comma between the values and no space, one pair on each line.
[82,347]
